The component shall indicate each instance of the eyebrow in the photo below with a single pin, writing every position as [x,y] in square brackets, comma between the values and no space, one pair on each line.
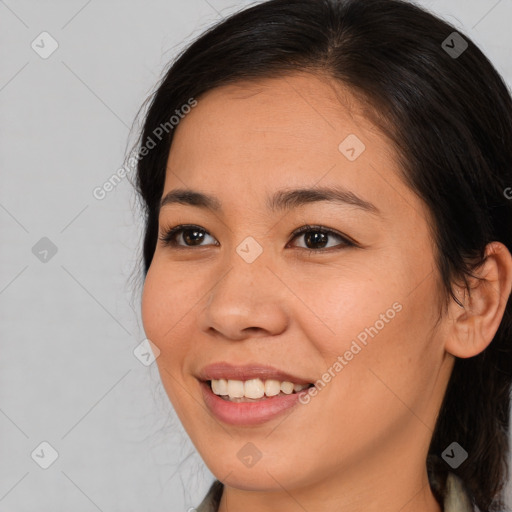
[282,200]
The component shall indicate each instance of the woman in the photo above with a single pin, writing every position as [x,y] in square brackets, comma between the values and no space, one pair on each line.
[327,258]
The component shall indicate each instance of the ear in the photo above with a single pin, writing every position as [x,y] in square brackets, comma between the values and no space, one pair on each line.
[473,328]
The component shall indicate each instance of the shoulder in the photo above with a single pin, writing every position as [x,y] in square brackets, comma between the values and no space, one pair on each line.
[456,497]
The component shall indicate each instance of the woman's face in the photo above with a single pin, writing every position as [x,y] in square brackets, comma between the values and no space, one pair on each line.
[356,318]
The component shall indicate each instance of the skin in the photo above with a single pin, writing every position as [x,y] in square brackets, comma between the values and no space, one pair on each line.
[361,443]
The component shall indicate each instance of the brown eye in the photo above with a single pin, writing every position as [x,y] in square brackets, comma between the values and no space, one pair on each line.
[317,238]
[191,236]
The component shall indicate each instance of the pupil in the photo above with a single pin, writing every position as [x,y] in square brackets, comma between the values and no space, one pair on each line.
[316,238]
[193,241]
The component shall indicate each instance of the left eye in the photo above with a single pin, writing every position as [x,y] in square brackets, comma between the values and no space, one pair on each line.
[192,236]
[319,235]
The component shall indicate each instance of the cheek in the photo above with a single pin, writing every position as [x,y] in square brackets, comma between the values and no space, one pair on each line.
[164,302]
[169,312]
[342,304]
[151,306]
[160,308]
[375,321]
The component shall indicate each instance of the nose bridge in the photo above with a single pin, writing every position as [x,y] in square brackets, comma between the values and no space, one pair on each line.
[247,294]
[247,272]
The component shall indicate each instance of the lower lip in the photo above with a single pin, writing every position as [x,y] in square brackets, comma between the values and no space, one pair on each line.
[248,413]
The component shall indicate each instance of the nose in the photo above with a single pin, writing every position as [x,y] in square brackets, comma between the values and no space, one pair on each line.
[249,300]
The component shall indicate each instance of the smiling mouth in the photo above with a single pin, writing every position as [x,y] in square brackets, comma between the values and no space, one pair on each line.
[253,390]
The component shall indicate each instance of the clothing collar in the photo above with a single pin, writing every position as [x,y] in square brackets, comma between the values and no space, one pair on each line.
[455,498]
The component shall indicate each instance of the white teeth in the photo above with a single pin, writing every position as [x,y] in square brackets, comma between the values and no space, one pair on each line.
[287,387]
[235,388]
[272,387]
[220,387]
[253,388]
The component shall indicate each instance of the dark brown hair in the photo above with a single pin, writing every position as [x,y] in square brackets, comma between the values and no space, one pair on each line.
[450,119]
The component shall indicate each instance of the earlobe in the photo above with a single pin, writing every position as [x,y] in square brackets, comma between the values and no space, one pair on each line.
[474,327]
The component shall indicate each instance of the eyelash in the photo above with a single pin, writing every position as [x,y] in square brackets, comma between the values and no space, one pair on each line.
[169,237]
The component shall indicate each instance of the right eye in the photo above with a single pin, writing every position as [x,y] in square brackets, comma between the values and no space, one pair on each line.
[188,233]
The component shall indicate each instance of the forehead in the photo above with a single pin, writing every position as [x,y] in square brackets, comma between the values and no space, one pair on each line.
[280,132]
[288,110]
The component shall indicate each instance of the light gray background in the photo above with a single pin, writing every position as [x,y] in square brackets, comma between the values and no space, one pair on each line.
[69,326]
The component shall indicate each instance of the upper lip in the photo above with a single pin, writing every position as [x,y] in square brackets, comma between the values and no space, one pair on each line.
[224,370]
